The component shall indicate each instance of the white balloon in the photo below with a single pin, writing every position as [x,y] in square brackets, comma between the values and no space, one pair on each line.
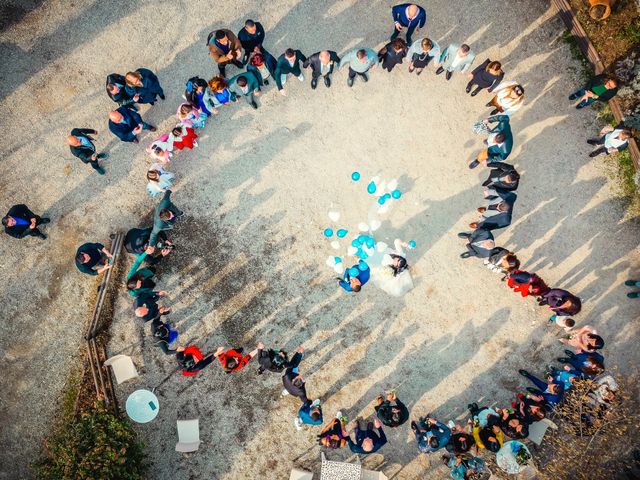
[369,251]
[381,246]
[374,225]
[392,185]
[334,216]
[376,180]
[384,208]
[363,227]
[351,250]
[335,245]
[331,261]
[338,268]
[381,189]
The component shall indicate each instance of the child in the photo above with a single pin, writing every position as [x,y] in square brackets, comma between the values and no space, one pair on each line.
[161,149]
[309,413]
[190,116]
[232,360]
[564,322]
[184,136]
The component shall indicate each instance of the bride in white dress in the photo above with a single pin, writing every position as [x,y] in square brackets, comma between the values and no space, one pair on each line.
[389,268]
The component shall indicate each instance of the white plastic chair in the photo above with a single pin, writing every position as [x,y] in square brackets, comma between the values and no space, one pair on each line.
[537,430]
[123,368]
[298,474]
[188,436]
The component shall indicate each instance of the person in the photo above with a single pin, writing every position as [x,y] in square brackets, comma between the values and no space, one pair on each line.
[270,360]
[158,180]
[192,360]
[512,425]
[140,280]
[163,336]
[561,302]
[136,241]
[464,465]
[165,215]
[183,136]
[198,94]
[392,54]
[334,435]
[497,212]
[508,98]
[246,85]
[502,261]
[430,434]
[116,89]
[502,176]
[292,380]
[161,150]
[551,390]
[143,85]
[421,53]
[251,37]
[604,391]
[600,88]
[488,75]
[461,441]
[584,361]
[527,283]
[393,274]
[146,308]
[125,124]
[309,413]
[93,258]
[20,222]
[289,62]
[455,58]
[225,48]
[360,61]
[485,428]
[530,408]
[81,145]
[232,360]
[480,243]
[190,116]
[263,66]
[564,322]
[391,415]
[322,64]
[499,142]
[221,93]
[613,141]
[584,339]
[407,16]
[367,441]
[633,283]
[354,283]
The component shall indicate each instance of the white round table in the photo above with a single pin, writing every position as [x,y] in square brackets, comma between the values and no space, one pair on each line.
[506,458]
[142,406]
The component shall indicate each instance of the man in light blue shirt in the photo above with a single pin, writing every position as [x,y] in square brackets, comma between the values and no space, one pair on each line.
[360,61]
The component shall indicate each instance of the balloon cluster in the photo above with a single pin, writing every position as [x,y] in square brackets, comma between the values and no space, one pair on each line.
[383,190]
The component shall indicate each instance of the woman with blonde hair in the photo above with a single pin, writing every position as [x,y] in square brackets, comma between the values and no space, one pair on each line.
[488,75]
[158,180]
[143,86]
[221,93]
[508,98]
[421,53]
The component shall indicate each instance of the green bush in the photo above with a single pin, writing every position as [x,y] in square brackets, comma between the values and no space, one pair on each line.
[98,445]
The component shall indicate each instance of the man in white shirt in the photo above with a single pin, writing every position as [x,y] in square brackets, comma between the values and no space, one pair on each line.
[455,58]
[612,142]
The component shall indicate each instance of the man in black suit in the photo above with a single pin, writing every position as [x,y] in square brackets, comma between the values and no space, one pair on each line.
[498,211]
[81,144]
[20,222]
[289,62]
[251,38]
[502,177]
[322,65]
[480,243]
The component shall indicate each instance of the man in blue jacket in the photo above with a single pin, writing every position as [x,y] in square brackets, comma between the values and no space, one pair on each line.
[367,441]
[409,16]
[126,124]
[21,222]
[81,144]
[353,283]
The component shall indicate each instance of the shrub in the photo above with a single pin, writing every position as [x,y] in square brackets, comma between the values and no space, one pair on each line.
[98,445]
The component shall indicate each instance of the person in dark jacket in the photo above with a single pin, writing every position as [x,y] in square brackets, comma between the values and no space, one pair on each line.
[392,54]
[354,283]
[191,360]
[512,425]
[292,380]
[391,415]
[499,142]
[146,307]
[488,75]
[263,65]
[126,124]
[407,16]
[272,361]
[502,176]
[143,85]
[251,37]
[431,434]
[502,261]
[480,243]
[82,146]
[551,390]
[197,93]
[140,280]
[224,48]
[588,362]
[460,442]
[136,241]
[367,441]
[165,215]
[600,88]
[498,211]
[233,360]
[93,258]
[290,61]
[563,303]
[117,92]
[20,222]
[163,336]
[247,85]
[322,64]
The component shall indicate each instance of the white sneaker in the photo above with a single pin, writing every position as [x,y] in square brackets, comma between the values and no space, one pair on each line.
[298,423]
[316,403]
[338,414]
[301,78]
[284,392]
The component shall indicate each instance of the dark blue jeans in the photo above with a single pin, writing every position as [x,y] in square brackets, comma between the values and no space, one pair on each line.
[584,103]
[409,31]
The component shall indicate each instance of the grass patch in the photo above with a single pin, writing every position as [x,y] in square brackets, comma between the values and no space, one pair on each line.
[630,32]
[586,70]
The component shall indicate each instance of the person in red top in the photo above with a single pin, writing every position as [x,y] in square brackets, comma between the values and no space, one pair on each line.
[526,283]
[192,360]
[232,360]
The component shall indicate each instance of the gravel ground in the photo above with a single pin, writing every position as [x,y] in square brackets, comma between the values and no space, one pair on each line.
[250,261]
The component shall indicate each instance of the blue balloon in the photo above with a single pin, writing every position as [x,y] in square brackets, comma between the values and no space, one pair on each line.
[370,242]
[328,232]
[353,272]
[387,196]
[341,233]
[381,200]
[412,243]
[362,265]
[371,188]
[355,176]
[338,259]
[396,194]
[363,255]
[356,242]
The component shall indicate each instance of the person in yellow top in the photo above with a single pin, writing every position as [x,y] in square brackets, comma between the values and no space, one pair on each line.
[485,428]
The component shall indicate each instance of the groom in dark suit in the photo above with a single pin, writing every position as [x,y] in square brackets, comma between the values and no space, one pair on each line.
[322,65]
[20,222]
